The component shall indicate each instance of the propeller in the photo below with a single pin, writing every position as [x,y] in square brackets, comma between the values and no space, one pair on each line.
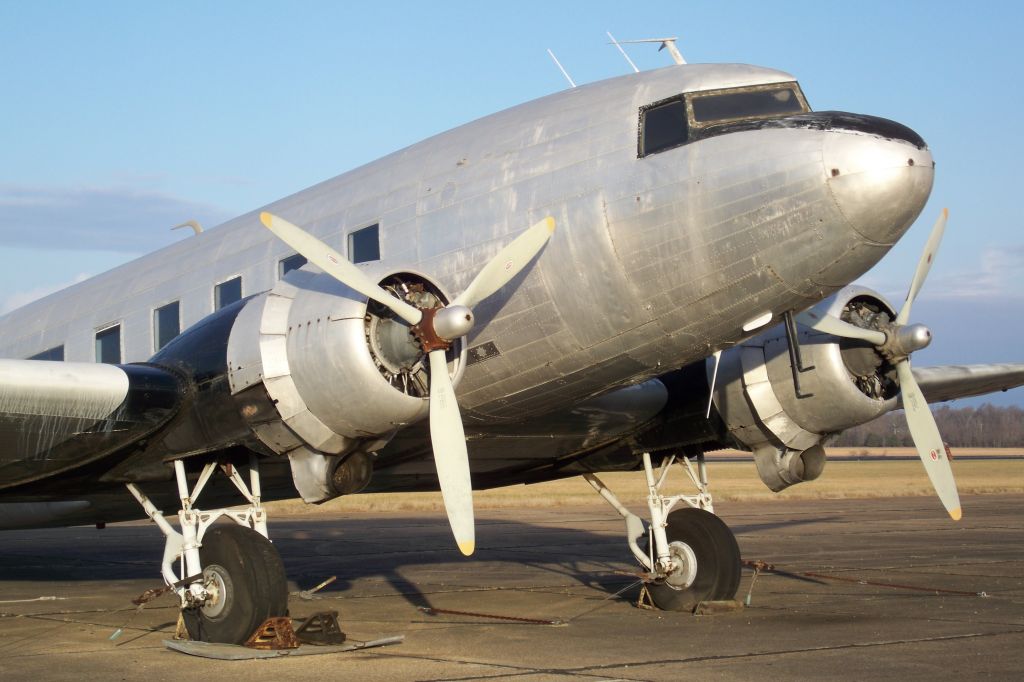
[435,329]
[897,343]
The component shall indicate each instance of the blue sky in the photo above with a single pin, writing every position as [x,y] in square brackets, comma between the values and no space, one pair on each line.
[121,119]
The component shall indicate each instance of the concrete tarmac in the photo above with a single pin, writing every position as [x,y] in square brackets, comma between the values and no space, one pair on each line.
[63,593]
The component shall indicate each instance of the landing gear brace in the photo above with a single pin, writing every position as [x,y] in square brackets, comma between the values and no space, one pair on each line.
[225,594]
[691,555]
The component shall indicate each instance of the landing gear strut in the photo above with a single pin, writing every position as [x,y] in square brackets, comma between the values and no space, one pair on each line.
[691,555]
[229,578]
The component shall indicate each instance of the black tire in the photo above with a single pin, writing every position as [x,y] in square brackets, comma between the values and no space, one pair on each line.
[718,561]
[251,585]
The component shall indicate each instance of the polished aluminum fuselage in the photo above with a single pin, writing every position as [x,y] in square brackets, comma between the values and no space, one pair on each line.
[656,262]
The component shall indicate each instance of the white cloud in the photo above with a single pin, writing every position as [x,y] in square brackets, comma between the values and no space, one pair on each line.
[999,273]
[96,218]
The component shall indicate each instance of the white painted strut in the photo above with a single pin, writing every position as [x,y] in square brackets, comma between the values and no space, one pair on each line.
[172,548]
[659,561]
[634,525]
[659,514]
[183,547]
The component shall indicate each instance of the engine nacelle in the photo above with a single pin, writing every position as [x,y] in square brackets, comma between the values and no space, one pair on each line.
[320,373]
[843,383]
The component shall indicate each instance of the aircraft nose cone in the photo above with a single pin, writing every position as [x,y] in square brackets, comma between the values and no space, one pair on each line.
[880,182]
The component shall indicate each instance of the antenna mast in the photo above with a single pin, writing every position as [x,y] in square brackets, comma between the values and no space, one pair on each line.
[616,44]
[561,68]
[666,43]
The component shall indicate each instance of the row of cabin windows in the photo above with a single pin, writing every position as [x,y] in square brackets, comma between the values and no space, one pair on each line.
[363,245]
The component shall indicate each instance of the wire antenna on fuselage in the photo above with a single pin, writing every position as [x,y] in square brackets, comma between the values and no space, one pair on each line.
[616,44]
[562,68]
[666,43]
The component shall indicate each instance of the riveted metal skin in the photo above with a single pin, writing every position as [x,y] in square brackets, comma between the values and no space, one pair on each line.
[657,263]
[760,407]
[305,342]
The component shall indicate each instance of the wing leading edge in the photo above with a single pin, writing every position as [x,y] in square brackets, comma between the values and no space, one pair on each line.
[949,382]
[59,415]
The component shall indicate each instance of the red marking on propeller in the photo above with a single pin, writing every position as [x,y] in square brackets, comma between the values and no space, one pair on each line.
[331,258]
[935,456]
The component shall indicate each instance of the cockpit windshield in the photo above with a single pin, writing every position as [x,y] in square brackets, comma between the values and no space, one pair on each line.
[741,104]
[693,116]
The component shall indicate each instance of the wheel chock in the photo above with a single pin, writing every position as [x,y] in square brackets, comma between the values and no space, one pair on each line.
[273,634]
[180,630]
[321,629]
[644,601]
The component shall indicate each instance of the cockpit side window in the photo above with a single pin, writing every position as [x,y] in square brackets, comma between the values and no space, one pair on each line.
[745,104]
[662,126]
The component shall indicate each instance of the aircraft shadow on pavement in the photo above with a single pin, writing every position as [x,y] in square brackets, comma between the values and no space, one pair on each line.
[411,555]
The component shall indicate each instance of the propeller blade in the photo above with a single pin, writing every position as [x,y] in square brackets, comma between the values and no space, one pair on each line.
[337,266]
[450,455]
[931,247]
[927,440]
[507,264]
[833,325]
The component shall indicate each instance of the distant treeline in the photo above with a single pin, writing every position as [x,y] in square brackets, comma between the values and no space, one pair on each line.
[987,426]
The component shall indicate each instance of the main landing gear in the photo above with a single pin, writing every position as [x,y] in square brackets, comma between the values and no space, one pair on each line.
[229,578]
[690,556]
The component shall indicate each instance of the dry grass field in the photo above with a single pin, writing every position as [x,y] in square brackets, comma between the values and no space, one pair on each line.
[730,481]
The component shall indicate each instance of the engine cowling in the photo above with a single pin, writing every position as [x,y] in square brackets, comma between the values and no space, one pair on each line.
[843,383]
[321,374]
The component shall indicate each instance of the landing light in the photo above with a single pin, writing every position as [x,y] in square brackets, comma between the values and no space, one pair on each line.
[759,321]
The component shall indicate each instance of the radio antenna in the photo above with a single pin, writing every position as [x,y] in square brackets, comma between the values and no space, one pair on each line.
[562,68]
[666,43]
[616,44]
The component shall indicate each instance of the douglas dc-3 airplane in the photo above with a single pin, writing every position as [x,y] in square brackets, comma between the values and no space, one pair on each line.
[683,288]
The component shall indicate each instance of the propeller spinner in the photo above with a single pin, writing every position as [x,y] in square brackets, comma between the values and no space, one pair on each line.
[897,343]
[435,329]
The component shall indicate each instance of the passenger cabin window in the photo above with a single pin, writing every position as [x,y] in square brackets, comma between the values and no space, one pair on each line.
[364,244]
[662,126]
[286,265]
[742,104]
[166,324]
[108,345]
[227,293]
[55,353]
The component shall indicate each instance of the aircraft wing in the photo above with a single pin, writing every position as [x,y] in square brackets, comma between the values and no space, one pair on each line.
[963,381]
[54,415]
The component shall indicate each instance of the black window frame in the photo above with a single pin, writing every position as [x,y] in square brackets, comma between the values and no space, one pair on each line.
[641,152]
[352,244]
[694,124]
[287,264]
[157,327]
[218,288]
[698,130]
[104,332]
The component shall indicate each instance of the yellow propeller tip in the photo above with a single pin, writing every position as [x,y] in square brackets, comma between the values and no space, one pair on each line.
[945,212]
[955,514]
[551,224]
[266,218]
[467,547]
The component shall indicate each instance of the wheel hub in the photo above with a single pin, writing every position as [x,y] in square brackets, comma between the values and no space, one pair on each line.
[218,585]
[684,566]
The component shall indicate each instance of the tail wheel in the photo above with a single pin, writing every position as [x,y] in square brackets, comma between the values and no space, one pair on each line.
[245,576]
[709,558]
